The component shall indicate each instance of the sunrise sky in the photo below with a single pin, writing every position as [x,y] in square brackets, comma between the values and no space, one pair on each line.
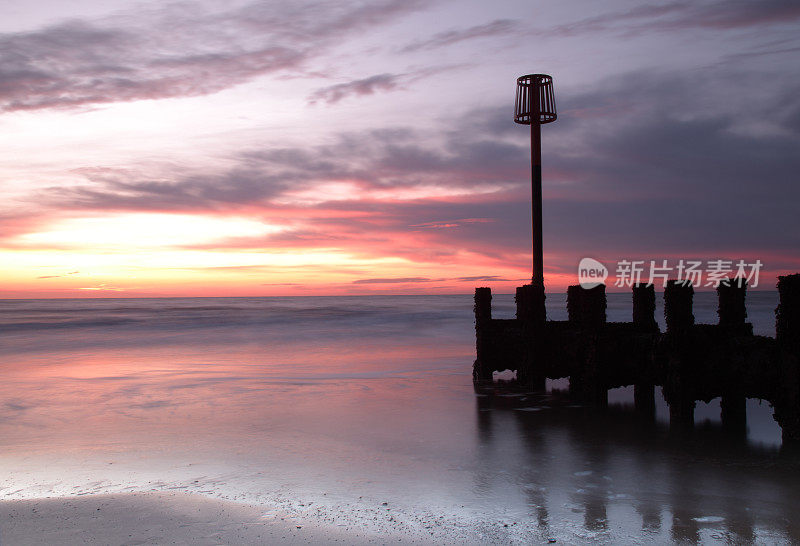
[283,147]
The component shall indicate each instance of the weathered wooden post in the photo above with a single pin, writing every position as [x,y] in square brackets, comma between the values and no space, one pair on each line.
[532,315]
[678,389]
[732,314]
[644,309]
[787,315]
[586,307]
[530,300]
[574,304]
[787,330]
[678,296]
[483,317]
[587,312]
[732,310]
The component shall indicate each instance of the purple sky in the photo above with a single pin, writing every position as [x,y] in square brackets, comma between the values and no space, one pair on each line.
[157,148]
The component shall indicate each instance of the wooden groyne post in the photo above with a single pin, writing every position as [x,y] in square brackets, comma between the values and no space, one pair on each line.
[644,311]
[586,309]
[483,322]
[732,314]
[689,361]
[680,360]
[787,333]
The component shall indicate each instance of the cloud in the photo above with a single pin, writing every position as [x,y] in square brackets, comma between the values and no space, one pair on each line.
[724,14]
[373,84]
[58,276]
[19,221]
[393,280]
[717,15]
[375,166]
[103,287]
[485,278]
[365,86]
[449,224]
[173,52]
[129,190]
[677,173]
[450,37]
[639,162]
[635,163]
[397,280]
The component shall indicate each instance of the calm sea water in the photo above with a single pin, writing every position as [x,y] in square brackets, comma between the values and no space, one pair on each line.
[323,409]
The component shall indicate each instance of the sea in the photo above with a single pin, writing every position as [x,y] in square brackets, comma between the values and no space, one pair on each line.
[358,412]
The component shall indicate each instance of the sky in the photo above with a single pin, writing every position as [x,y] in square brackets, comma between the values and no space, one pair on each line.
[355,147]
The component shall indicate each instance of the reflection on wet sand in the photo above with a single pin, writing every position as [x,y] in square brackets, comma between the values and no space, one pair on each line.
[275,403]
[614,470]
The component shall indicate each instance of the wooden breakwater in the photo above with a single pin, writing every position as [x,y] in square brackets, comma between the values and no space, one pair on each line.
[689,361]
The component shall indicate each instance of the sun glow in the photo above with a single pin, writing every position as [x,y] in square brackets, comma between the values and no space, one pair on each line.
[144,230]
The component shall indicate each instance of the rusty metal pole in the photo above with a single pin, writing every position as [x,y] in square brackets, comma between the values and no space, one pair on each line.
[536,105]
[537,278]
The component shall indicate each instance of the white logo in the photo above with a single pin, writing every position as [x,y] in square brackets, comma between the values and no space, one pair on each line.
[591,273]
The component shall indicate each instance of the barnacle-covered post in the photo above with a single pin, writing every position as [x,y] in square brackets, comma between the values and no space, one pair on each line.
[534,106]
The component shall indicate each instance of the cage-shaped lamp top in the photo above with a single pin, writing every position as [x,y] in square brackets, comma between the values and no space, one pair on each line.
[535,97]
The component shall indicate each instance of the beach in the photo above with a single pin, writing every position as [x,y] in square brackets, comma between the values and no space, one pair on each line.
[148,518]
[399,272]
[238,420]
[157,518]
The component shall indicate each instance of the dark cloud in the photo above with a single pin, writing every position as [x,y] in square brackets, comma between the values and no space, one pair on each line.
[725,14]
[366,86]
[373,84]
[494,28]
[317,19]
[124,190]
[638,165]
[172,52]
[485,278]
[378,160]
[763,53]
[716,15]
[674,174]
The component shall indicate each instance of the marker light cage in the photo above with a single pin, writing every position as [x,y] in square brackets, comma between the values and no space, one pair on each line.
[530,88]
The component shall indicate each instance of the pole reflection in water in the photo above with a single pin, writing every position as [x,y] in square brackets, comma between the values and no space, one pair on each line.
[616,476]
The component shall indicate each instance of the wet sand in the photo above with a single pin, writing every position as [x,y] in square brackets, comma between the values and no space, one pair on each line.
[155,518]
[180,518]
[208,421]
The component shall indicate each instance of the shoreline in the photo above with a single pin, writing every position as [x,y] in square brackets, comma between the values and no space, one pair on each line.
[158,518]
[172,517]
